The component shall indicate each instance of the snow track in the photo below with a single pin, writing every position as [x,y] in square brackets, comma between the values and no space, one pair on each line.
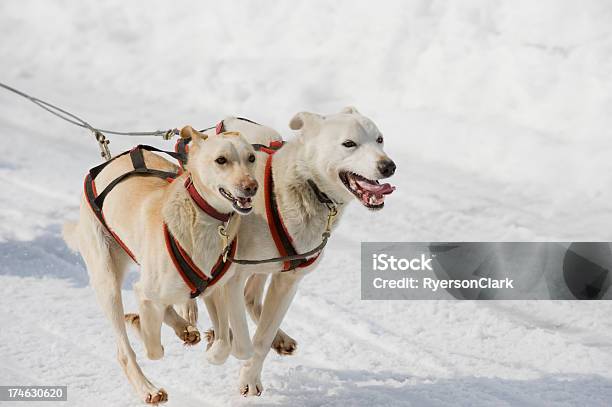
[497,114]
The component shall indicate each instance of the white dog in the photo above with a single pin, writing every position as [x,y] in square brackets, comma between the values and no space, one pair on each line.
[161,224]
[334,158]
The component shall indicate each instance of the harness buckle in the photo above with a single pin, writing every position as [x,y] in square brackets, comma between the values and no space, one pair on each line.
[224,241]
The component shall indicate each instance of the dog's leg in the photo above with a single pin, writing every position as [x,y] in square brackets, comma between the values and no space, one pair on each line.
[221,347]
[151,318]
[211,307]
[278,298]
[283,344]
[209,335]
[188,311]
[242,348]
[184,329]
[106,280]
[133,321]
[186,332]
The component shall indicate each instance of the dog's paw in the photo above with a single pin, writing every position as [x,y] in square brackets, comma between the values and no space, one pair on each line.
[218,353]
[283,344]
[133,320]
[209,335]
[251,390]
[156,397]
[155,352]
[250,382]
[190,336]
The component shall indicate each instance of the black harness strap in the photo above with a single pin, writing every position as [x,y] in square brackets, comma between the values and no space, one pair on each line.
[244,119]
[96,201]
[193,276]
[271,149]
[195,279]
[139,169]
[321,196]
[137,158]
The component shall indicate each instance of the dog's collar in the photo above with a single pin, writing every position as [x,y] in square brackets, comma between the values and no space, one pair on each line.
[321,196]
[273,148]
[202,204]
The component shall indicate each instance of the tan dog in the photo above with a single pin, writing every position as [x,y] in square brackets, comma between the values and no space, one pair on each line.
[221,168]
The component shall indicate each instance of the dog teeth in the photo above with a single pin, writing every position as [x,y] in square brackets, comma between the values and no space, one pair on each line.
[244,202]
[372,199]
[364,189]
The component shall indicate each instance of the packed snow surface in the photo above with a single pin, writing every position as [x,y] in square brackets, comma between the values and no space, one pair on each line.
[497,113]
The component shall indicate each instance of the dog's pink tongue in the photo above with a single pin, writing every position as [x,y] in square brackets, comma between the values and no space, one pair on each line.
[378,189]
[386,189]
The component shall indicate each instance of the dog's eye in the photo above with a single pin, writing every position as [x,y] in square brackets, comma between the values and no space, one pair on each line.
[349,144]
[221,160]
[252,158]
[379,140]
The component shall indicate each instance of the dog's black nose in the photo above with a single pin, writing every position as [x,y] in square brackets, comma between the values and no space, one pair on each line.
[386,168]
[249,187]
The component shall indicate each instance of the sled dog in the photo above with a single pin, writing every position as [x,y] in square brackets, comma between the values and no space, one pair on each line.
[339,157]
[140,213]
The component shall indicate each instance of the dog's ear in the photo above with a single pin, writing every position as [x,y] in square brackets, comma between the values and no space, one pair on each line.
[304,119]
[350,110]
[193,134]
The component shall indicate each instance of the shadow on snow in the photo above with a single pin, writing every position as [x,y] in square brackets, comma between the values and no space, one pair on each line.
[47,256]
[314,387]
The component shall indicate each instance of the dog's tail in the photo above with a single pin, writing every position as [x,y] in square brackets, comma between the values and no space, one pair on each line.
[70,231]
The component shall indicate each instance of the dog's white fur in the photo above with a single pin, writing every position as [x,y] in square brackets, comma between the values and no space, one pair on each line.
[316,153]
[136,210]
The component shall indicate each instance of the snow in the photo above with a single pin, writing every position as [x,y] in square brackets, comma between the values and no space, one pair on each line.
[497,114]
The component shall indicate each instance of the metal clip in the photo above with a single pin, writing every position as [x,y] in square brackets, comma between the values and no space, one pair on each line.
[170,133]
[224,241]
[333,211]
[103,143]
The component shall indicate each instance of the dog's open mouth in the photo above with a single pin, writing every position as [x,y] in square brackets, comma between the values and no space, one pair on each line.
[371,193]
[240,204]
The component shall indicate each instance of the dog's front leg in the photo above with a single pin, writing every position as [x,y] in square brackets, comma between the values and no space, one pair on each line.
[279,296]
[187,332]
[242,347]
[283,344]
[151,318]
[188,311]
[221,347]
[184,329]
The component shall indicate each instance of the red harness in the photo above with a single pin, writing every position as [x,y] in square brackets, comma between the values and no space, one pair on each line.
[278,230]
[194,277]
